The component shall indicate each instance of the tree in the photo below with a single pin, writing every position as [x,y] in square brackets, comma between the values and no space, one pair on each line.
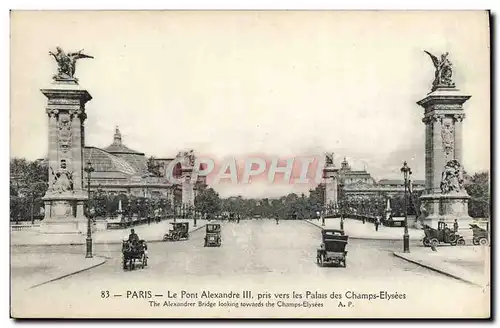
[478,188]
[317,198]
[28,184]
[208,202]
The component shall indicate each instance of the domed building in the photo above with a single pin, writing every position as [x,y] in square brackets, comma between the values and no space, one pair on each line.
[121,170]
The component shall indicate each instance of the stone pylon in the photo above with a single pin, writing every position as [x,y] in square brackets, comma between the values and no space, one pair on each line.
[65,197]
[330,176]
[188,177]
[444,197]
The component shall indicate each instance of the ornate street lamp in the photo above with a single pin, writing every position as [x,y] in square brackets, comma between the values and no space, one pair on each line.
[89,169]
[406,238]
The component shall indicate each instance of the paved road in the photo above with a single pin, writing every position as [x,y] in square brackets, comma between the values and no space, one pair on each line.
[263,257]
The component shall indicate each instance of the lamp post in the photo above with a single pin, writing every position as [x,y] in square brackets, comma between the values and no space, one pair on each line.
[192,213]
[89,169]
[406,238]
[323,213]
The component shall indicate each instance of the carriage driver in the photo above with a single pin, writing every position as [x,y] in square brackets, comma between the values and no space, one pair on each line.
[133,237]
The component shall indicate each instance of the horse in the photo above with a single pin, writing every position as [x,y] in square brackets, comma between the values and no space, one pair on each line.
[132,251]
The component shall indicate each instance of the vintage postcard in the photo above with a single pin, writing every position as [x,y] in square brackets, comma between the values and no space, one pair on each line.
[250,164]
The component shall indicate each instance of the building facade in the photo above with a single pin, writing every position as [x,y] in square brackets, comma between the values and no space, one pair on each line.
[360,183]
[121,170]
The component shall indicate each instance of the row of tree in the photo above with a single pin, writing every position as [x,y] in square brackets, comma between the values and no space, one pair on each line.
[29,182]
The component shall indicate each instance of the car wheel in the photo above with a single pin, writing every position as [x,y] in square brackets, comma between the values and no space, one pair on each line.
[461,242]
[434,242]
[475,241]
[426,242]
[483,241]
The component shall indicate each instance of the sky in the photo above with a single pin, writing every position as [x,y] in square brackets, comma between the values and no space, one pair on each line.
[237,83]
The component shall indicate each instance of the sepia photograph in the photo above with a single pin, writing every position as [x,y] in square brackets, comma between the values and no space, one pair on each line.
[252,164]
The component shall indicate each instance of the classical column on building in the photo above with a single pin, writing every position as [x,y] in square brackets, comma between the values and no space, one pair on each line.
[65,196]
[444,197]
[330,176]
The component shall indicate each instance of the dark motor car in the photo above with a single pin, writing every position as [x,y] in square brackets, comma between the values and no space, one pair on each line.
[332,249]
[443,234]
[212,235]
[180,230]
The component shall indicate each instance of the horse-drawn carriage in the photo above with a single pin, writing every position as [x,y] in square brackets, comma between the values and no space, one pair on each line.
[180,230]
[212,235]
[134,252]
[480,235]
[332,249]
[442,234]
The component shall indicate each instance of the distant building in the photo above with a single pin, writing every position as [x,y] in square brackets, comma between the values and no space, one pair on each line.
[349,176]
[355,183]
[415,184]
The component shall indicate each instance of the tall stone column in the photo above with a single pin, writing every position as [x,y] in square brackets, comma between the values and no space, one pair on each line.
[187,160]
[187,189]
[330,176]
[444,198]
[65,196]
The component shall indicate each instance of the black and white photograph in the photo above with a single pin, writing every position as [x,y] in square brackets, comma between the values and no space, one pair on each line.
[250,164]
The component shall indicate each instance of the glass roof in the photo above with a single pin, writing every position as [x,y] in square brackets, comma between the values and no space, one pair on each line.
[103,161]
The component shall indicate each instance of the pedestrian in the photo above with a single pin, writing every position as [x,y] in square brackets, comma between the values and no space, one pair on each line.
[455,226]
[363,218]
[341,223]
[376,224]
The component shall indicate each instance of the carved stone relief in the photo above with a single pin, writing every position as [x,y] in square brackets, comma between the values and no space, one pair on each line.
[64,135]
[448,135]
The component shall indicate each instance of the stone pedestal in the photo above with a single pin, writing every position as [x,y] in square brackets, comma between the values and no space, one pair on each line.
[64,214]
[65,197]
[443,119]
[445,207]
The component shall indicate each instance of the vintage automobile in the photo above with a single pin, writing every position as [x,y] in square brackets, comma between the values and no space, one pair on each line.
[395,221]
[180,230]
[332,249]
[212,235]
[443,234]
[133,252]
[480,235]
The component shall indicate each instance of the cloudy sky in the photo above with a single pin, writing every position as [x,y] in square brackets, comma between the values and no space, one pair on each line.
[275,83]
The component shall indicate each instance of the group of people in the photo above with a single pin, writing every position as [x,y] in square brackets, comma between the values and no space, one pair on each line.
[455,226]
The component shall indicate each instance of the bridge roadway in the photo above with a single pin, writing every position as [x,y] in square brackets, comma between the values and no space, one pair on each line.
[255,255]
